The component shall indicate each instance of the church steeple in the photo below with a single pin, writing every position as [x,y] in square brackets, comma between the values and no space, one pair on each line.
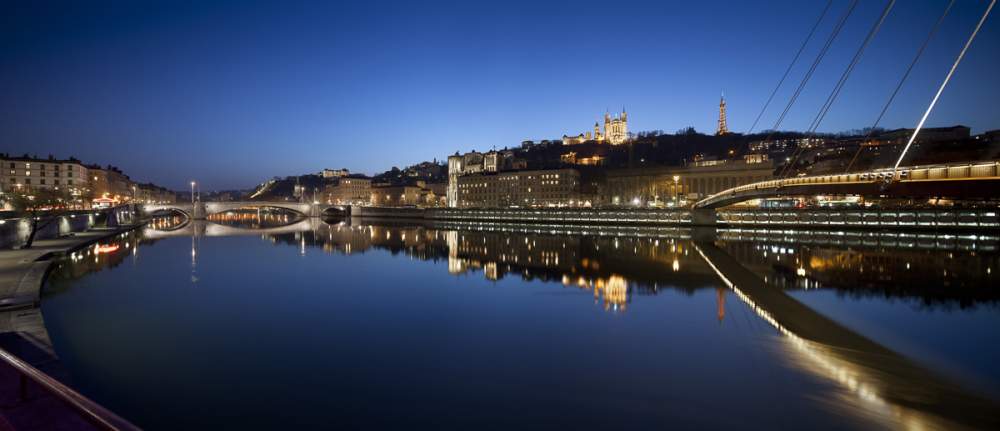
[723,128]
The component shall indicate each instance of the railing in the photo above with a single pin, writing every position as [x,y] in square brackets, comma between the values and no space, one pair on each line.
[905,174]
[88,409]
[565,215]
[891,218]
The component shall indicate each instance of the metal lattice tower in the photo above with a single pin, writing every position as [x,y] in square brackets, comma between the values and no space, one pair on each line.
[723,129]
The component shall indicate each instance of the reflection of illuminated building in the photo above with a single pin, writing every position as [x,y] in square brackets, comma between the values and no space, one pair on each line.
[860,262]
[614,292]
[589,263]
[490,271]
[455,265]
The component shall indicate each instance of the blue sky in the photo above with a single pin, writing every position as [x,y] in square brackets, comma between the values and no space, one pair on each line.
[232,93]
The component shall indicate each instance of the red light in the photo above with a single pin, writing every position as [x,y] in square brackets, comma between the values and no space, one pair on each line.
[111,248]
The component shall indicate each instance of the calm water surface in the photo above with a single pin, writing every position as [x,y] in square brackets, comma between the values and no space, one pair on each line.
[255,324]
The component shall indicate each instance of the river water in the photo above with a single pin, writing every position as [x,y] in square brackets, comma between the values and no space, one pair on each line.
[245,323]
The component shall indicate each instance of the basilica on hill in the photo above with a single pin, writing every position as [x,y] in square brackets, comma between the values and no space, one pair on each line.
[615,131]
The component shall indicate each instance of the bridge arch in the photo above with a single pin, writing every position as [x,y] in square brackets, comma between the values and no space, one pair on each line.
[211,208]
[199,210]
[334,212]
[149,210]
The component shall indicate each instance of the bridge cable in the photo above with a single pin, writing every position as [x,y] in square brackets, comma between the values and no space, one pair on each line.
[832,97]
[947,78]
[789,69]
[899,85]
[812,69]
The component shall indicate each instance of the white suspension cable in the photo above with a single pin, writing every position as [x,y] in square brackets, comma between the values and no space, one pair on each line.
[947,78]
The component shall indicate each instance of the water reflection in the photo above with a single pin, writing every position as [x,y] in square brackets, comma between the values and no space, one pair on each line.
[620,266]
[937,270]
[934,270]
[255,218]
[878,383]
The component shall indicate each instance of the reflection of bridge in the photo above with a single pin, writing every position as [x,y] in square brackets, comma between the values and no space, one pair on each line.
[199,210]
[876,375]
[199,229]
[960,181]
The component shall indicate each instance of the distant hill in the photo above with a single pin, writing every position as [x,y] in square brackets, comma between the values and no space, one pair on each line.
[284,189]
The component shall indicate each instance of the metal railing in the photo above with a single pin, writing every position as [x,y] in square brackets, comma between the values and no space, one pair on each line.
[85,407]
[870,217]
[963,171]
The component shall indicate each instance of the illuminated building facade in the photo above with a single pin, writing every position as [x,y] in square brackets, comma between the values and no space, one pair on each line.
[110,183]
[670,184]
[543,188]
[26,173]
[349,190]
[396,196]
[151,193]
[474,163]
[458,165]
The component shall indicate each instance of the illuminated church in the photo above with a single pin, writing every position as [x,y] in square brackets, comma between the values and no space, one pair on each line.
[615,131]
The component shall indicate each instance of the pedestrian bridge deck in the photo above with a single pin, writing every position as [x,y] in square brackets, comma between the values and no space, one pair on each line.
[957,180]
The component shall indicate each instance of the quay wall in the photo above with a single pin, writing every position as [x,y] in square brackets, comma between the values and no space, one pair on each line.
[526,215]
[867,218]
[14,232]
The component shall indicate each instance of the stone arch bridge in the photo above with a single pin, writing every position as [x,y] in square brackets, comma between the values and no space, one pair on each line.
[199,210]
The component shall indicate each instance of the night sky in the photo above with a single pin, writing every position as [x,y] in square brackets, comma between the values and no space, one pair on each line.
[233,93]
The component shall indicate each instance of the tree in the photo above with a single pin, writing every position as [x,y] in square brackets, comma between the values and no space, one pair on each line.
[41,207]
[687,131]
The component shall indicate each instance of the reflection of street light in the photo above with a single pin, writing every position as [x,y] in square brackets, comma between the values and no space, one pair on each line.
[676,194]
